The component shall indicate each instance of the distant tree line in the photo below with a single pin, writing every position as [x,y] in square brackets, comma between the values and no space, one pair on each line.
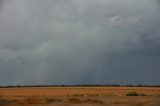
[82,85]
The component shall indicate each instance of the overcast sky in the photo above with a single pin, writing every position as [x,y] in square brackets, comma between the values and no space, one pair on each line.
[79,42]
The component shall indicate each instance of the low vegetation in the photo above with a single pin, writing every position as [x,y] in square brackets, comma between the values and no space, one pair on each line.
[74,100]
[3,101]
[51,100]
[6,102]
[91,101]
[133,93]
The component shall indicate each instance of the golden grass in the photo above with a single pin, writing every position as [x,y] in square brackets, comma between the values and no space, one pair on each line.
[60,96]
[63,91]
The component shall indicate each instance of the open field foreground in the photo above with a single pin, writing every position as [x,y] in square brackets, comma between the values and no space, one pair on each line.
[80,96]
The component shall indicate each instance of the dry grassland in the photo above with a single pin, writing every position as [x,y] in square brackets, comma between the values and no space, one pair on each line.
[80,96]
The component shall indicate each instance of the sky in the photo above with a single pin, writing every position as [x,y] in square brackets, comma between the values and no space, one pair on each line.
[79,42]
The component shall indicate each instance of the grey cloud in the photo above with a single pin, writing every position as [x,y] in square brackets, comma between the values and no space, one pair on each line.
[79,41]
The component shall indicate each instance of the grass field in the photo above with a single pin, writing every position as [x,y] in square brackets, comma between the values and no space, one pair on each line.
[80,96]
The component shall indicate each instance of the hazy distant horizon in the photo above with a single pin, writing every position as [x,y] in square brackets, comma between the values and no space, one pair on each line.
[67,42]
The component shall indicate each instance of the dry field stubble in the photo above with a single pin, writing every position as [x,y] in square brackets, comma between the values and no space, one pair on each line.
[80,96]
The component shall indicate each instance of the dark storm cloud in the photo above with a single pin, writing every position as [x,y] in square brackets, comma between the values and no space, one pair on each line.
[79,41]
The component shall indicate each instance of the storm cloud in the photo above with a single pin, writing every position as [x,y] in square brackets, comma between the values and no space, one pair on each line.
[79,42]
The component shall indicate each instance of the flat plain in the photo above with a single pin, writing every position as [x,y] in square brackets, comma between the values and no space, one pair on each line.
[80,96]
